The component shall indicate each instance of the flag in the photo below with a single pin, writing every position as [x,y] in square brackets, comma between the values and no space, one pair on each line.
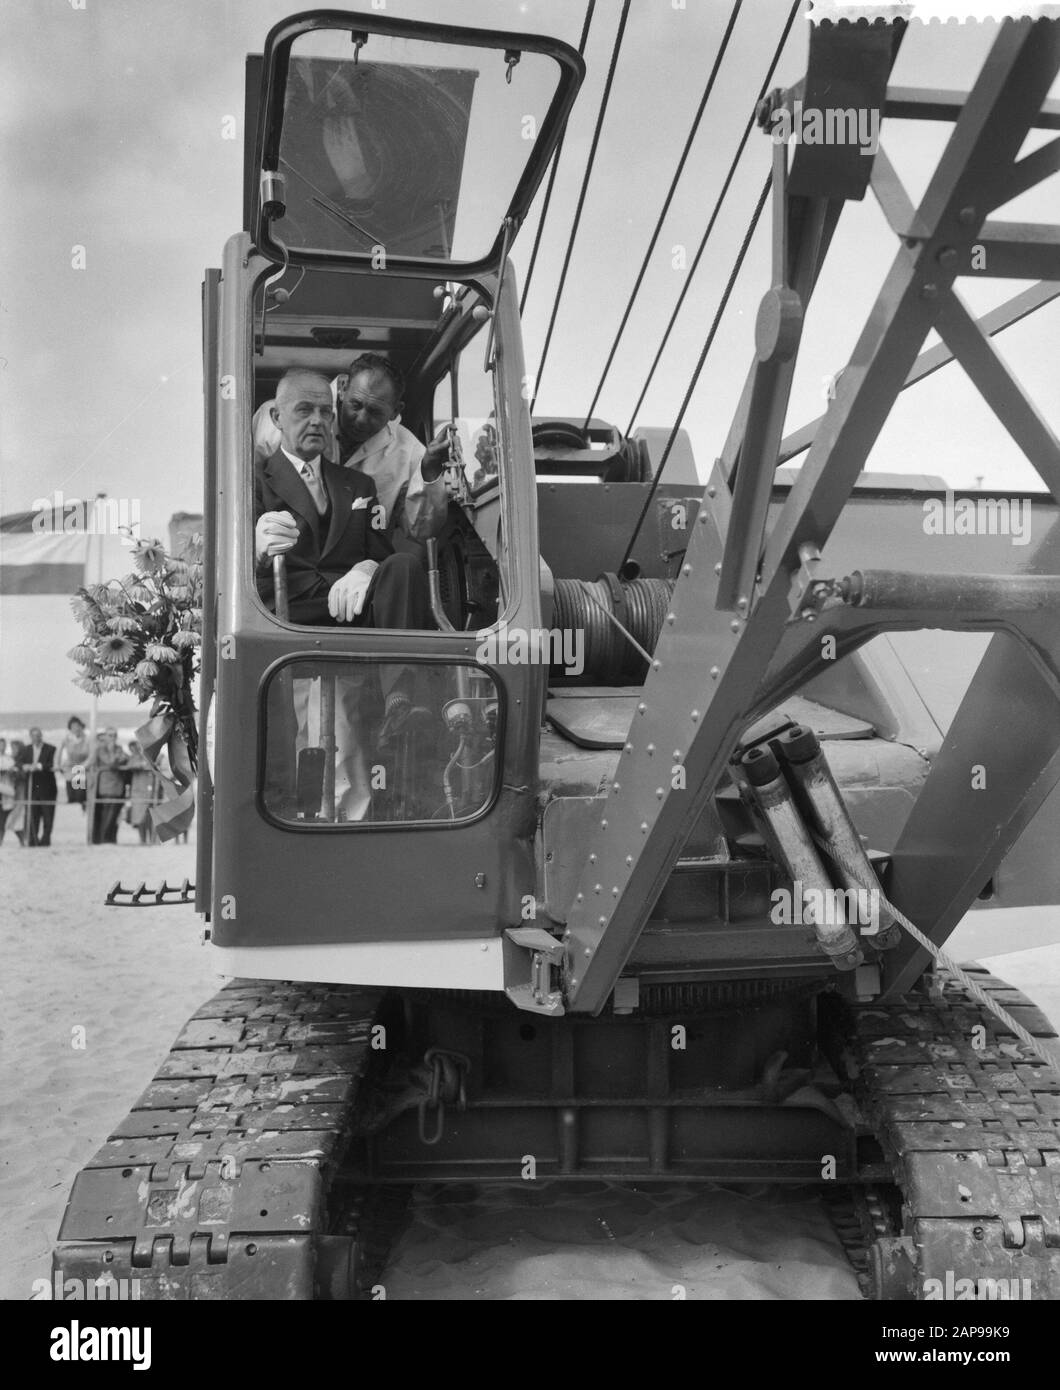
[39,556]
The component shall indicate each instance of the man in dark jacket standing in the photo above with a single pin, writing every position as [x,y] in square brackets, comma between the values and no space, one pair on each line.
[37,761]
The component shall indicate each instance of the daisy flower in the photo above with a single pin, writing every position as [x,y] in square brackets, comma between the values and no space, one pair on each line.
[115,649]
[149,558]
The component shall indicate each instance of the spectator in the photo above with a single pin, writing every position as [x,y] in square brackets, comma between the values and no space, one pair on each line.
[7,786]
[73,756]
[142,780]
[18,816]
[38,763]
[105,771]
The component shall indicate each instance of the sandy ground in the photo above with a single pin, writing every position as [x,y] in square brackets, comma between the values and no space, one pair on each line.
[129,979]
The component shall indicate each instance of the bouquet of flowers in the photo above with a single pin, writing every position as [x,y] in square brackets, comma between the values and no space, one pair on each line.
[143,633]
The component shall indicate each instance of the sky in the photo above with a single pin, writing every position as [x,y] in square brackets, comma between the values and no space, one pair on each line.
[114,112]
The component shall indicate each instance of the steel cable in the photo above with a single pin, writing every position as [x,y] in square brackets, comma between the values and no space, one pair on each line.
[552,173]
[714,215]
[940,958]
[665,207]
[581,196]
[699,366]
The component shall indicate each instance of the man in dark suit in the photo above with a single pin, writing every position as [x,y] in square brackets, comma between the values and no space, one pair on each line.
[38,762]
[327,523]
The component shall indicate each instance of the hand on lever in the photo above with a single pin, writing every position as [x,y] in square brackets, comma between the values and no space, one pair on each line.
[274,534]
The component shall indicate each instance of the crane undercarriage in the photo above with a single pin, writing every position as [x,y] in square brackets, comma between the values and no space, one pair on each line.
[272,1155]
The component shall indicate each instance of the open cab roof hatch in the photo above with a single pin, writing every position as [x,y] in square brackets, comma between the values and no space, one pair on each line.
[414,148]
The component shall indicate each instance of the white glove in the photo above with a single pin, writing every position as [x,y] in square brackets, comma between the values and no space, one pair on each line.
[346,596]
[274,534]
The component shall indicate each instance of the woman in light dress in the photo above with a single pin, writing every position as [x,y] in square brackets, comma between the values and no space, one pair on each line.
[73,755]
[17,819]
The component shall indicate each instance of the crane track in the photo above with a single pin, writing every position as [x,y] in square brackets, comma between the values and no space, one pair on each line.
[220,1182]
[969,1122]
[224,1181]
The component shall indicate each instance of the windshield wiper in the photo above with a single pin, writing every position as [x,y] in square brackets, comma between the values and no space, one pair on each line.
[345,218]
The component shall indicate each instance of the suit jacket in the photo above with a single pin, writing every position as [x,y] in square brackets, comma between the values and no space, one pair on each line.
[40,786]
[317,559]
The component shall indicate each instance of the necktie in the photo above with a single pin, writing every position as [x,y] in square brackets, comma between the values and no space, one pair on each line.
[316,488]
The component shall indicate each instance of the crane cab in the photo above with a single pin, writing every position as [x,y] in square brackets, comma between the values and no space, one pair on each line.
[389,169]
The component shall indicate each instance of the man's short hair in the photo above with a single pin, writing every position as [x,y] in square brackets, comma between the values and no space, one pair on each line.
[298,374]
[374,362]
